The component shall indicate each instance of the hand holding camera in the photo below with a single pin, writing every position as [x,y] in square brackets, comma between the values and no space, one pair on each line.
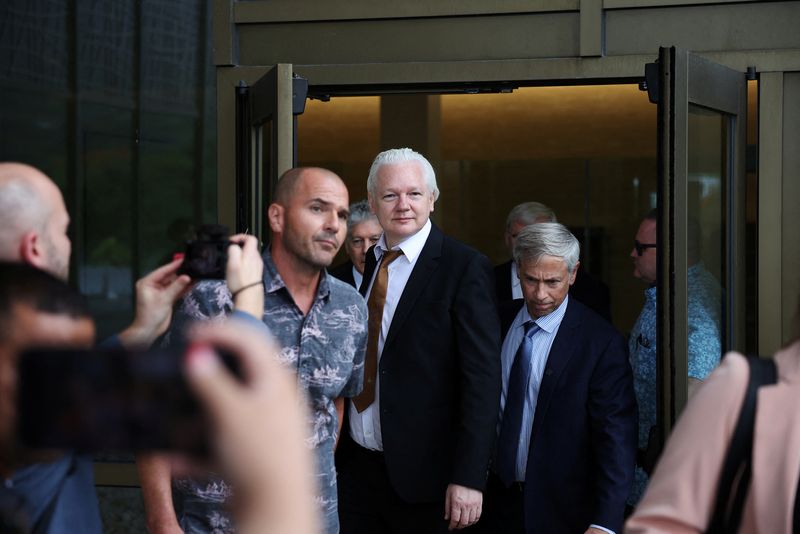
[156,293]
[215,256]
[244,275]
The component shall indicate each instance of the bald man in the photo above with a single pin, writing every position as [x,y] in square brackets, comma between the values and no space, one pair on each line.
[33,220]
[33,230]
[321,324]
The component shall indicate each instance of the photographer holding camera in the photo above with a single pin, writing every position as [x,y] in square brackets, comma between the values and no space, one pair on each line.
[59,496]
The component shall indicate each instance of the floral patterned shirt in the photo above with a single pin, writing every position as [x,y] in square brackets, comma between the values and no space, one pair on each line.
[704,348]
[326,347]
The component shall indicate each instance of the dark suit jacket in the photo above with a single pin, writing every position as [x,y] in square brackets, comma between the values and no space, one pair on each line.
[344,272]
[584,435]
[587,289]
[439,373]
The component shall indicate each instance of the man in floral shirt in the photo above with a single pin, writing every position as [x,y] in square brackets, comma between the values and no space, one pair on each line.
[321,324]
[704,333]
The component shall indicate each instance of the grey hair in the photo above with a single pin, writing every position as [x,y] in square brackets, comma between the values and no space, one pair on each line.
[547,239]
[22,209]
[359,212]
[402,155]
[528,213]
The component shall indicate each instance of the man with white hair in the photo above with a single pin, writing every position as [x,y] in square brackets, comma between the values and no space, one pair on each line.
[420,433]
[363,231]
[587,289]
[566,446]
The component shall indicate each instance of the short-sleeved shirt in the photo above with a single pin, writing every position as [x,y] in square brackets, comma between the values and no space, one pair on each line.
[326,347]
[58,496]
[704,350]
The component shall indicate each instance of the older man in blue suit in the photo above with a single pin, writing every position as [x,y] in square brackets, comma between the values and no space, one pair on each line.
[566,447]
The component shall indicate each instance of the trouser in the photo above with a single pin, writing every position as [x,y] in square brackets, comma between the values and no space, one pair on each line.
[369,505]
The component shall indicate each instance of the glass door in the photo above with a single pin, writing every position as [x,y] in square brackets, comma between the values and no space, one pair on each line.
[266,142]
[701,172]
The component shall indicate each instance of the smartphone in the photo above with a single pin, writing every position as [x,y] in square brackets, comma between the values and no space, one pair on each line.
[102,400]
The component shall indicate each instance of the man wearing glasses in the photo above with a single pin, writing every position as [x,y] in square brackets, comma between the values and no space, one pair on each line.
[704,343]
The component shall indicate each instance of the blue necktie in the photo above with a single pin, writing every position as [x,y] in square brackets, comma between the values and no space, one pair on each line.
[508,442]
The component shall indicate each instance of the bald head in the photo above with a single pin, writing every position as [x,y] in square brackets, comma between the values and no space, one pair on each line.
[308,218]
[33,220]
[287,184]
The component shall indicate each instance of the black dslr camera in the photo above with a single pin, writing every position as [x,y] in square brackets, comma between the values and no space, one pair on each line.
[206,257]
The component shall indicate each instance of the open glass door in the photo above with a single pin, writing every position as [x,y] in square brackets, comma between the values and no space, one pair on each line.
[701,116]
[266,142]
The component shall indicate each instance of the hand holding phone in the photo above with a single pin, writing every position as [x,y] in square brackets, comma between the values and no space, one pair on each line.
[109,400]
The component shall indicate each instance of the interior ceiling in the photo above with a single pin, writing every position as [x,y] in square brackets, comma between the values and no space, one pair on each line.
[530,123]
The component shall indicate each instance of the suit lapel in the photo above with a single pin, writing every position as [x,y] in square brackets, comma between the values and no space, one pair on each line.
[427,262]
[561,352]
[369,268]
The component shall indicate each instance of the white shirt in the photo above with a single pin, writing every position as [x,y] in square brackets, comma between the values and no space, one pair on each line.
[541,341]
[365,427]
[357,277]
[516,287]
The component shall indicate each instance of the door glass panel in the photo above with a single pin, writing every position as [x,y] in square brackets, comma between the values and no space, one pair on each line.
[264,178]
[706,229]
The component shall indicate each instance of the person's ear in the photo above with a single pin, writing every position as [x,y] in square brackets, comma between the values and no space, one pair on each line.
[574,273]
[371,202]
[30,249]
[275,214]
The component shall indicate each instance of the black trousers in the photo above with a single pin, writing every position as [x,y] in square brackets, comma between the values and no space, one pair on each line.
[503,508]
[369,505]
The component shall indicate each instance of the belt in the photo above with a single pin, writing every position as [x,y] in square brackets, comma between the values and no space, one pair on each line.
[377,455]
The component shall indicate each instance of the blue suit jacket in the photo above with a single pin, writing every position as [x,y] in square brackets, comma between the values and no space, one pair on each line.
[583,441]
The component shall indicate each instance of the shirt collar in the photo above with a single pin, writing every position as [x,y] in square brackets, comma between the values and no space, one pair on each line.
[357,276]
[411,246]
[273,281]
[549,322]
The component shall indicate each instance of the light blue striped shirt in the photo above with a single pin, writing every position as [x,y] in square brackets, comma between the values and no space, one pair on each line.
[541,341]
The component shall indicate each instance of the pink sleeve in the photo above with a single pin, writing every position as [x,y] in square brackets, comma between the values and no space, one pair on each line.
[681,493]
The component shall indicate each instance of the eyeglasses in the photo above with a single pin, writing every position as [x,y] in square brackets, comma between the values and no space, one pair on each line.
[641,247]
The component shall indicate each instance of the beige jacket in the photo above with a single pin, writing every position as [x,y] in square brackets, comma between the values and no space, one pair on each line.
[682,491]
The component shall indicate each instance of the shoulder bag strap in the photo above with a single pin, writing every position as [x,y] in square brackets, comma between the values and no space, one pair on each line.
[734,479]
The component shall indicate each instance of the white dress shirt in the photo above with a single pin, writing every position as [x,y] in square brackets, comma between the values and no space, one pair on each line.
[516,287]
[357,277]
[365,427]
[541,341]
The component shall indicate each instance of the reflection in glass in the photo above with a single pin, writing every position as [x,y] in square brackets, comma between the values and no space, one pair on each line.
[706,229]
